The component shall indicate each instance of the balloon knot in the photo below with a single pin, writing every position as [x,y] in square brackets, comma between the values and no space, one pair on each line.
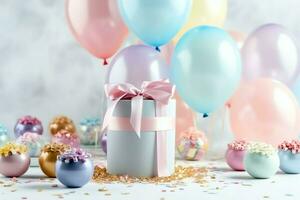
[228,105]
[205,115]
[105,61]
[157,49]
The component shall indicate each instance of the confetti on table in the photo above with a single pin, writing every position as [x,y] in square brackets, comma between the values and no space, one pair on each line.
[197,174]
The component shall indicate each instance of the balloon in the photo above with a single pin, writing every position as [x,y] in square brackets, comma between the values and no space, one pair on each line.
[97,26]
[271,52]
[239,37]
[205,12]
[264,110]
[136,64]
[206,68]
[184,117]
[166,50]
[155,22]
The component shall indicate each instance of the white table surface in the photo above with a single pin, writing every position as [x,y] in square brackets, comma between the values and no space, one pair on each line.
[226,185]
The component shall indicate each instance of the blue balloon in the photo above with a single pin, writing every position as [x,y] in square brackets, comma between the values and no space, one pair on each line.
[206,68]
[155,22]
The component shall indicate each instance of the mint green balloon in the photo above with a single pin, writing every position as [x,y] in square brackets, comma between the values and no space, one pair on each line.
[206,68]
[261,166]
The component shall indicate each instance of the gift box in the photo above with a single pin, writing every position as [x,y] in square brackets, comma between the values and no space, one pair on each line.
[140,125]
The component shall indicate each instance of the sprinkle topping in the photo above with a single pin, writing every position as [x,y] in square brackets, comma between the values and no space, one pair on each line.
[29,120]
[12,149]
[55,147]
[74,155]
[293,146]
[29,137]
[90,122]
[261,148]
[238,145]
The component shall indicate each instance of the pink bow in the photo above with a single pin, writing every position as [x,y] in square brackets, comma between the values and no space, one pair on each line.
[159,91]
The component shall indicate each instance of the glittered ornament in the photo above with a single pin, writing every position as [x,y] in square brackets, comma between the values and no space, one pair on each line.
[289,155]
[62,123]
[89,131]
[28,124]
[14,160]
[235,155]
[192,144]
[4,137]
[33,141]
[65,137]
[261,160]
[48,157]
[74,168]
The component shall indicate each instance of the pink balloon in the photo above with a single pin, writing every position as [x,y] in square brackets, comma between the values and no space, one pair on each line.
[97,26]
[264,110]
[271,52]
[184,117]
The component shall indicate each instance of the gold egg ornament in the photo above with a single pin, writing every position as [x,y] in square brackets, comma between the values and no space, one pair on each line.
[48,157]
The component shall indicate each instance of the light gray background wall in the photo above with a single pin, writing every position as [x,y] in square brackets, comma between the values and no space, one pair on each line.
[44,72]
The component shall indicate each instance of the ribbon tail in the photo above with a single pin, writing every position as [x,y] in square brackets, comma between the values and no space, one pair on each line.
[109,113]
[136,114]
[161,145]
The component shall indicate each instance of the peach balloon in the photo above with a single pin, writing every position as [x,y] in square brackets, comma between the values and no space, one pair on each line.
[97,25]
[264,110]
[184,117]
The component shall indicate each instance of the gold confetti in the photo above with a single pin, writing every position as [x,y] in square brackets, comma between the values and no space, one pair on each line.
[102,190]
[107,194]
[197,174]
[86,193]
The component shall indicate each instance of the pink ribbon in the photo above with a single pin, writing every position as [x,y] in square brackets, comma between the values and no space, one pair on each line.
[159,91]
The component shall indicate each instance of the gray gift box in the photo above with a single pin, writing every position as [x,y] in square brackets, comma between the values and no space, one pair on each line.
[127,154]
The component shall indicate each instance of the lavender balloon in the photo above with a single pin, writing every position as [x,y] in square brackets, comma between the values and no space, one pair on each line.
[136,64]
[271,51]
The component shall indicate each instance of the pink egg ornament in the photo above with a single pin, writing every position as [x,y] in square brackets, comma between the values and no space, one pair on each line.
[235,155]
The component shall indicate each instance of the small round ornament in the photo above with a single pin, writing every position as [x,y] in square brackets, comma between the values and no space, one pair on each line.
[89,131]
[74,168]
[4,137]
[235,155]
[28,124]
[48,157]
[103,140]
[289,155]
[261,160]
[65,137]
[14,160]
[62,123]
[33,141]
[192,144]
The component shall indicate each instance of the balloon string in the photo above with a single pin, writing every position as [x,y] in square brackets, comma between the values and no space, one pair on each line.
[157,49]
[105,61]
